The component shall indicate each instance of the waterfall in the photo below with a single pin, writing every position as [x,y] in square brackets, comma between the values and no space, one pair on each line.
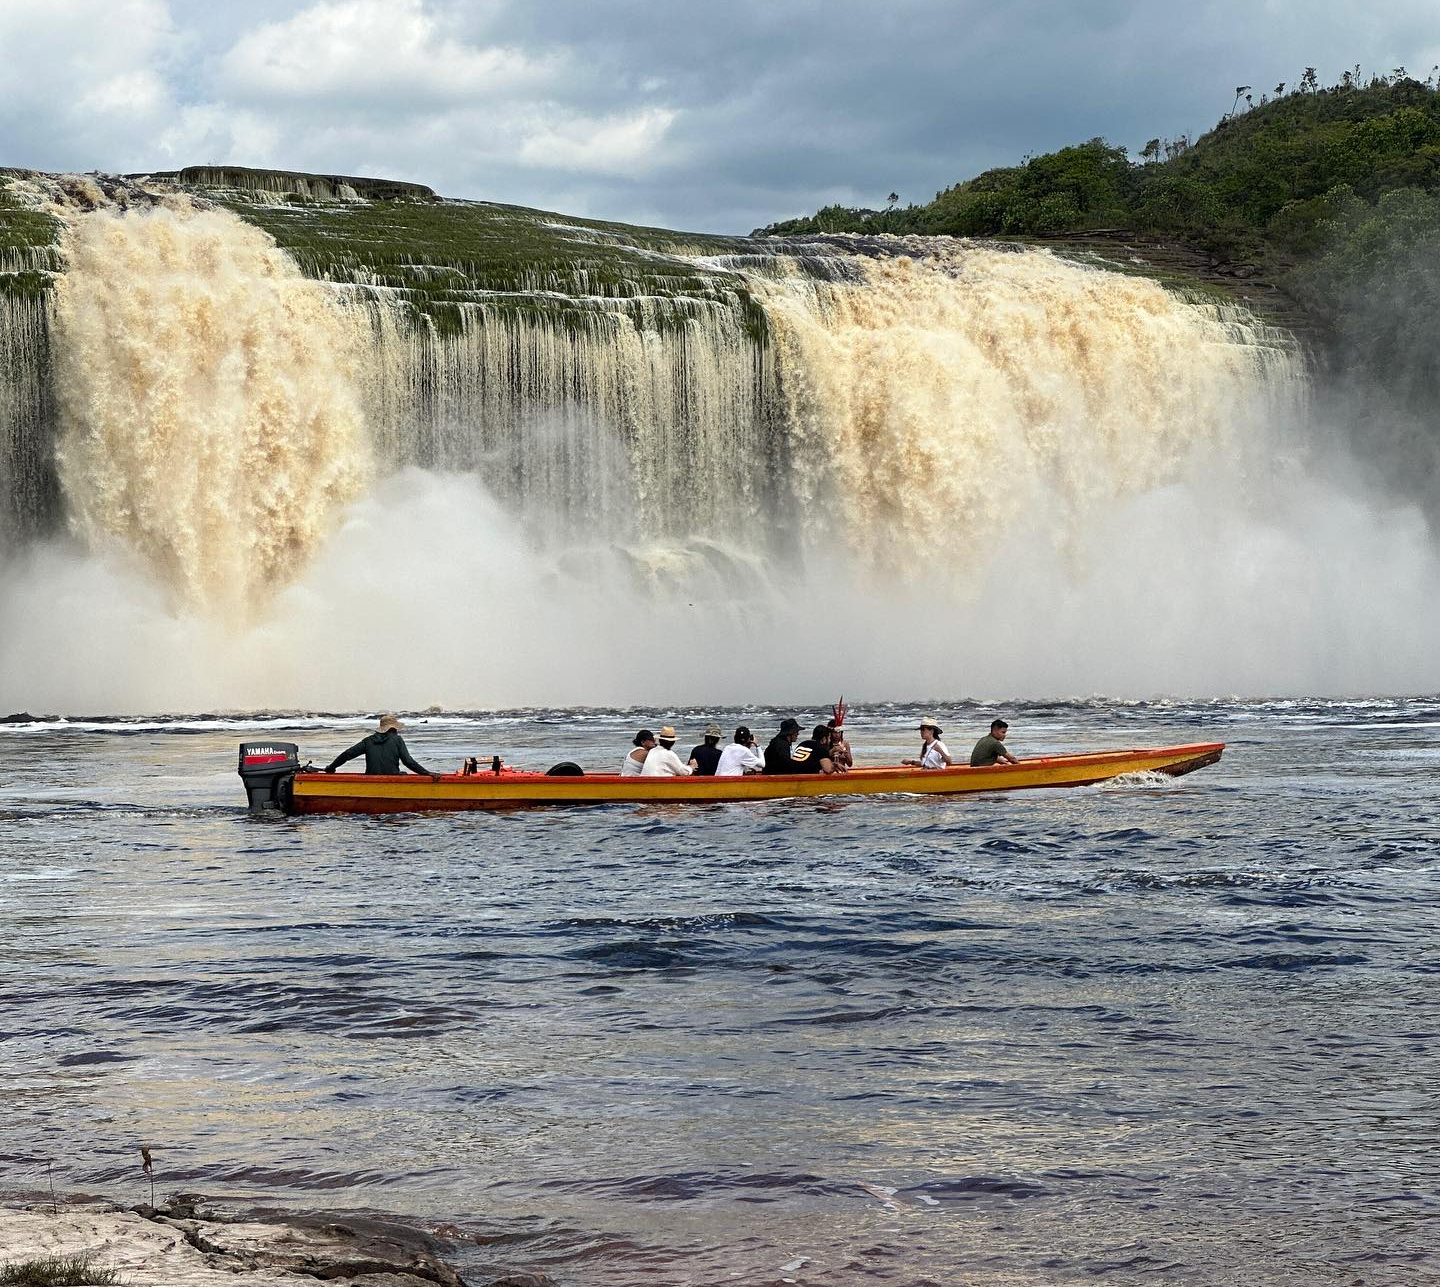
[216,407]
[208,415]
[939,395]
[925,435]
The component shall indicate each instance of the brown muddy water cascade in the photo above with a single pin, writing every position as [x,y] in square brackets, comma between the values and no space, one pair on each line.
[944,391]
[208,414]
[216,409]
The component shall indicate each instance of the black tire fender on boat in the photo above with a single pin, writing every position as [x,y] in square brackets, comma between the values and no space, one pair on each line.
[565,769]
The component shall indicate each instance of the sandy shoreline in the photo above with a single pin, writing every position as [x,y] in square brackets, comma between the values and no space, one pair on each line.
[191,1243]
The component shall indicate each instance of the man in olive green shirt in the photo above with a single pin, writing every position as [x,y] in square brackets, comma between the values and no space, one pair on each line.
[990,749]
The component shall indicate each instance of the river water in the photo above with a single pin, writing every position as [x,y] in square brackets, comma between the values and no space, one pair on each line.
[1179,1031]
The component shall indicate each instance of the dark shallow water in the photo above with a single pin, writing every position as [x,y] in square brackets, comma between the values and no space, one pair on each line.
[1156,1032]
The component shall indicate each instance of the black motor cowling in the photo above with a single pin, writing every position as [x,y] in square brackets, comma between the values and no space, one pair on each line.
[266,769]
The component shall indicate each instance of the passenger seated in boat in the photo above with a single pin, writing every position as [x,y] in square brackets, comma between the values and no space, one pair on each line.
[813,754]
[934,754]
[777,754]
[991,748]
[839,747]
[705,757]
[740,757]
[662,762]
[384,751]
[634,760]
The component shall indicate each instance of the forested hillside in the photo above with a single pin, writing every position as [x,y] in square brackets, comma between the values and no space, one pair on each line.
[1267,181]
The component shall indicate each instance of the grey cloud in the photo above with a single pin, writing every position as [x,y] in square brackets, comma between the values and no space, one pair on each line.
[780,107]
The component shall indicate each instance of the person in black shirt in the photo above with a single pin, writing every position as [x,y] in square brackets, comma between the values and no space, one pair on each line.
[705,757]
[777,754]
[813,754]
[384,751]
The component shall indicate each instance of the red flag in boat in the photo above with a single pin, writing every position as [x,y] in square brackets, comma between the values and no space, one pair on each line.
[839,712]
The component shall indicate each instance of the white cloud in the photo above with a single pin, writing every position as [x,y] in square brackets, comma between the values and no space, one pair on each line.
[87,78]
[67,44]
[138,93]
[211,134]
[619,144]
[373,49]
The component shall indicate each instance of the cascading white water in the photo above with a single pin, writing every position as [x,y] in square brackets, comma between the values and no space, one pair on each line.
[949,469]
[941,398]
[26,409]
[628,420]
[209,420]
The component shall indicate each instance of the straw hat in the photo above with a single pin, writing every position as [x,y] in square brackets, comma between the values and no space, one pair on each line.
[667,734]
[390,721]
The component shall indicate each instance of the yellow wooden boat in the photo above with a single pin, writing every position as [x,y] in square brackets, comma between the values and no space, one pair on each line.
[273,777]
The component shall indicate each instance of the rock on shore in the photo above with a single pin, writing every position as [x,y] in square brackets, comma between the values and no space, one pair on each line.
[180,1246]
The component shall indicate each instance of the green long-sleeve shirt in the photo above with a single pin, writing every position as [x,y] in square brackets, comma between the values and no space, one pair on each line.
[383,752]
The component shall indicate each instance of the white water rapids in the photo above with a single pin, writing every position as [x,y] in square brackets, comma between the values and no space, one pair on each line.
[976,472]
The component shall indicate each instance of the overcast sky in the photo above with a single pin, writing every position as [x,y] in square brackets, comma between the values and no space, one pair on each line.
[716,115]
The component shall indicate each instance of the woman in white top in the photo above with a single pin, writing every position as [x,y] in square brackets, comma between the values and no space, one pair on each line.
[934,754]
[662,762]
[634,760]
[740,757]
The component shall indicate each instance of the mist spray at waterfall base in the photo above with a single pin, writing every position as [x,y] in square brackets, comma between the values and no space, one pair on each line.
[1175,592]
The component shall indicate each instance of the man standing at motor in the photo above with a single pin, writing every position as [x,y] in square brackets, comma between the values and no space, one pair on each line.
[384,751]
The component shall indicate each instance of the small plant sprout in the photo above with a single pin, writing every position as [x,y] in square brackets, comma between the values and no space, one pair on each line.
[56,1271]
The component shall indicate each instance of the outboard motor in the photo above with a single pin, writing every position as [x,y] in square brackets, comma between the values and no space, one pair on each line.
[266,769]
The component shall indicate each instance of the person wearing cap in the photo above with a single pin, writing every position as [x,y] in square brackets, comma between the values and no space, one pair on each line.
[706,757]
[990,749]
[634,759]
[813,754]
[384,751]
[778,758]
[740,757]
[934,754]
[662,762]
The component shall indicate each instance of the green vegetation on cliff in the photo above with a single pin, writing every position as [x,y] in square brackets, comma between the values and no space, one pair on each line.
[28,253]
[442,256]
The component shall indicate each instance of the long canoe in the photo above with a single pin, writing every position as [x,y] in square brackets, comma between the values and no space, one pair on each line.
[510,789]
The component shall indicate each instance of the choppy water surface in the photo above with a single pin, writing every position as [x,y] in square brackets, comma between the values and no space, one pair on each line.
[1178,1031]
